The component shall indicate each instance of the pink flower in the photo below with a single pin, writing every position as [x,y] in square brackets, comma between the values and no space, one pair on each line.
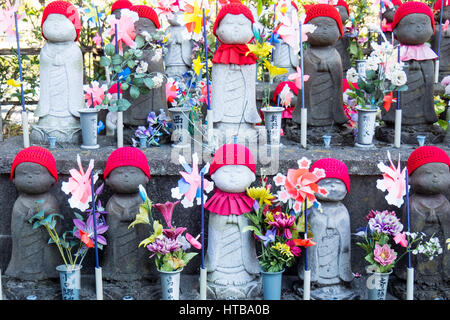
[193,241]
[400,238]
[283,222]
[96,92]
[297,77]
[97,40]
[393,182]
[173,232]
[166,210]
[293,247]
[384,255]
[7,22]
[125,28]
[171,91]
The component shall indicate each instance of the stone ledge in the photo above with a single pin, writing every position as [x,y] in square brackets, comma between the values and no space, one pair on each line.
[360,162]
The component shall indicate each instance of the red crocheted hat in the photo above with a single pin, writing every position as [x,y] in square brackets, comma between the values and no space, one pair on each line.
[66,9]
[147,12]
[334,168]
[410,8]
[232,8]
[280,87]
[37,155]
[121,4]
[396,2]
[342,3]
[232,154]
[324,10]
[438,3]
[126,156]
[424,155]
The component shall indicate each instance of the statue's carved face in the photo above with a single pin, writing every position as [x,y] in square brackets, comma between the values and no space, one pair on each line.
[233,178]
[326,33]
[32,178]
[389,14]
[343,13]
[126,179]
[445,15]
[57,28]
[177,19]
[431,178]
[235,29]
[336,189]
[414,29]
[144,24]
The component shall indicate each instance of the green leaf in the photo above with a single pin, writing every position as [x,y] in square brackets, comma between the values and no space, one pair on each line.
[134,92]
[110,49]
[149,83]
[123,104]
[131,64]
[116,59]
[253,229]
[78,216]
[37,224]
[124,86]
[139,40]
[189,256]
[105,61]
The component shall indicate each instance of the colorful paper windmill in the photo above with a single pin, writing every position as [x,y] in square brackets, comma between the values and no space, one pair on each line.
[393,182]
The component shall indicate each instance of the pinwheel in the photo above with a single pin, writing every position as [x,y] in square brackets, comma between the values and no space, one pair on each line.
[297,78]
[125,28]
[95,94]
[7,21]
[193,17]
[393,182]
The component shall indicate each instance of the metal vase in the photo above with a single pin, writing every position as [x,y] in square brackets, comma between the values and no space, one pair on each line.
[271,282]
[170,284]
[366,126]
[272,121]
[361,67]
[180,120]
[70,279]
[89,122]
[377,284]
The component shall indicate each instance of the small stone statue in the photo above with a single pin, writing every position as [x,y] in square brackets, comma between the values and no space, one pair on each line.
[329,259]
[34,173]
[233,269]
[233,98]
[429,179]
[323,90]
[177,59]
[388,15]
[413,25]
[61,76]
[444,52]
[126,168]
[284,56]
[118,5]
[343,43]
[155,99]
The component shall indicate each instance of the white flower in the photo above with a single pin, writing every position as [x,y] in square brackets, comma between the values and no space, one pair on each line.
[372,63]
[158,80]
[352,75]
[398,78]
[146,36]
[142,67]
[157,55]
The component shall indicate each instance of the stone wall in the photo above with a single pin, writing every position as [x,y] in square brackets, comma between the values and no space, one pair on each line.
[361,163]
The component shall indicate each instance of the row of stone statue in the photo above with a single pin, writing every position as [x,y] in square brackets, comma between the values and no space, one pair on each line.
[231,260]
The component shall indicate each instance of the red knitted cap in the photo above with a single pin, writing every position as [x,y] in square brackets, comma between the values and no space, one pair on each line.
[37,155]
[334,168]
[280,87]
[66,9]
[232,154]
[424,155]
[126,156]
[324,10]
[342,3]
[396,2]
[437,5]
[410,8]
[147,12]
[121,4]
[232,8]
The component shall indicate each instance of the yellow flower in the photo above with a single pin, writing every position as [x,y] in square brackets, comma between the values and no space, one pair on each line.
[175,263]
[13,83]
[284,249]
[448,243]
[269,217]
[158,233]
[261,194]
[142,216]
[260,50]
[273,70]
[197,65]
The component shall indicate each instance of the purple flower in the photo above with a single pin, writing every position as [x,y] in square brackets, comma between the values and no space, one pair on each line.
[283,224]
[163,246]
[151,118]
[385,222]
[142,131]
[173,233]
[89,229]
[268,237]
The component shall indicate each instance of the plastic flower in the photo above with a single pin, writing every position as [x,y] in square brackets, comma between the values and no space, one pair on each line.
[297,77]
[388,100]
[274,70]
[304,242]
[260,50]
[268,237]
[7,22]
[394,182]
[352,75]
[13,83]
[400,238]
[79,186]
[171,91]
[384,255]
[157,234]
[193,241]
[193,17]
[163,246]
[288,29]
[85,231]
[197,65]
[166,7]
[175,263]
[283,222]
[97,40]
[125,28]
[173,233]
[385,223]
[166,210]
[293,247]
[286,96]
[284,249]
[94,92]
[260,194]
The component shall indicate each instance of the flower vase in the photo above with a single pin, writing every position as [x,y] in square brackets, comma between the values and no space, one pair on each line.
[142,142]
[366,126]
[170,284]
[88,120]
[377,284]
[70,279]
[180,120]
[361,67]
[271,282]
[272,121]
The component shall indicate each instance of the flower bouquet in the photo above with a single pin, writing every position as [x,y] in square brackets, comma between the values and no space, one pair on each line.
[158,126]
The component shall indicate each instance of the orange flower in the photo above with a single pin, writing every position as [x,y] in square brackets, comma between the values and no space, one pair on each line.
[304,242]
